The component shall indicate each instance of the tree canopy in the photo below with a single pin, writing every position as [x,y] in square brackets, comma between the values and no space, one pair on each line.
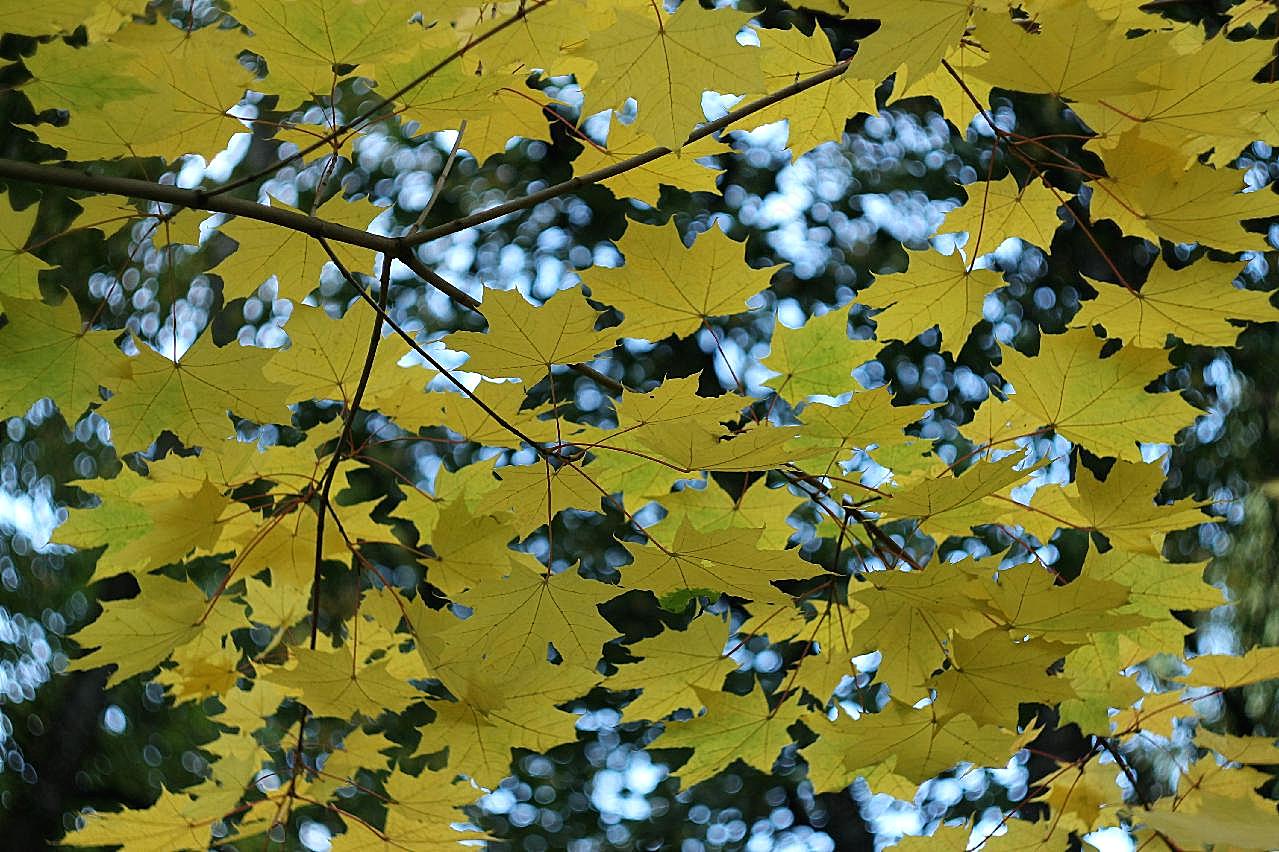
[385,524]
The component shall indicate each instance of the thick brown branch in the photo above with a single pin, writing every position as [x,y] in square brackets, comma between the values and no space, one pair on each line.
[196,199]
[602,174]
[199,200]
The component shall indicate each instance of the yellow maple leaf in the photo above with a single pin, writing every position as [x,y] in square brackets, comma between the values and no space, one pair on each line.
[1048,60]
[816,358]
[518,616]
[306,42]
[50,352]
[665,61]
[115,88]
[336,682]
[819,114]
[294,258]
[1201,95]
[172,823]
[734,727]
[1195,303]
[990,674]
[137,634]
[935,290]
[325,355]
[673,665]
[524,341]
[917,41]
[625,140]
[665,288]
[721,561]
[1000,210]
[1147,194]
[868,419]
[192,396]
[18,267]
[1100,403]
[495,107]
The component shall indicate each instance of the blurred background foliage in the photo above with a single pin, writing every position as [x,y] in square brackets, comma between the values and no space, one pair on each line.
[834,218]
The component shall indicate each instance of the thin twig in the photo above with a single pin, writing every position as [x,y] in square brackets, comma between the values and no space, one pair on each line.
[326,484]
[382,103]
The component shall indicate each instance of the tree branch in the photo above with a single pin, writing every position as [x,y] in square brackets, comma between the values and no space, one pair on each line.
[364,116]
[602,174]
[353,408]
[197,199]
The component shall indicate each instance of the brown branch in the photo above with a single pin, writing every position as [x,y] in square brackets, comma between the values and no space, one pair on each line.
[326,484]
[382,103]
[383,316]
[573,184]
[313,226]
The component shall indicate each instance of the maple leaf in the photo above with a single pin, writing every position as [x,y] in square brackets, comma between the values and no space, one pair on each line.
[625,140]
[724,560]
[917,41]
[816,358]
[952,504]
[50,352]
[192,396]
[1223,670]
[1081,795]
[1148,195]
[137,634]
[1000,210]
[1047,60]
[1032,604]
[495,107]
[734,727]
[148,525]
[673,666]
[756,507]
[192,77]
[910,743]
[307,41]
[1101,404]
[935,290]
[908,614]
[423,807]
[665,61]
[336,682]
[664,288]
[834,631]
[1195,303]
[325,356]
[524,341]
[989,675]
[175,821]
[868,419]
[19,268]
[295,259]
[1199,96]
[517,617]
[819,114]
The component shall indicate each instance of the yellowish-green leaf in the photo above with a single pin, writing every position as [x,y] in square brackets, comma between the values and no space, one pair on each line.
[50,352]
[664,288]
[665,61]
[816,358]
[1098,402]
[734,727]
[935,290]
[1195,303]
